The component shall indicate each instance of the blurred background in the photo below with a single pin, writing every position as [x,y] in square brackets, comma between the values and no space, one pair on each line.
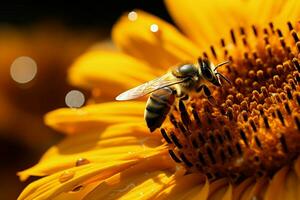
[38,42]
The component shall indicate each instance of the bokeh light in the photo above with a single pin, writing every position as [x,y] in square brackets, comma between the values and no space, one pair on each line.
[154,28]
[132,16]
[23,69]
[74,99]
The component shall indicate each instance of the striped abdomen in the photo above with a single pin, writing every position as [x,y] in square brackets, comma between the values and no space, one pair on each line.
[158,106]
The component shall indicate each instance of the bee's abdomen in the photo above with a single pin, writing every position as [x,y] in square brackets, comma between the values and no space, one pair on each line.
[158,106]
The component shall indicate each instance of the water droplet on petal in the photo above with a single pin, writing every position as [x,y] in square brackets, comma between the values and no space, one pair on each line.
[126,188]
[154,28]
[82,161]
[76,189]
[66,175]
[141,194]
[132,16]
[143,142]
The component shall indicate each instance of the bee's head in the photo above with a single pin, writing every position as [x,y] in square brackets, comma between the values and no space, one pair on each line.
[208,73]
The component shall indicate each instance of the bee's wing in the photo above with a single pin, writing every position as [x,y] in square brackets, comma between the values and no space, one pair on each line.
[151,86]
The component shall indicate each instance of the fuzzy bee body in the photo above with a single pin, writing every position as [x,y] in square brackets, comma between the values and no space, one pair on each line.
[158,106]
[175,84]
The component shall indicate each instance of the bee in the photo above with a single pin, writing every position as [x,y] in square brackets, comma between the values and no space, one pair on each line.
[177,83]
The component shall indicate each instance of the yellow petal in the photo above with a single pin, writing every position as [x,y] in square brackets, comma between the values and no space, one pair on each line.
[205,22]
[228,193]
[162,48]
[98,147]
[257,190]
[141,181]
[217,189]
[78,192]
[288,11]
[149,188]
[95,117]
[55,184]
[186,187]
[277,11]
[111,72]
[296,169]
[242,187]
[112,136]
[290,186]
[199,192]
[276,186]
[54,164]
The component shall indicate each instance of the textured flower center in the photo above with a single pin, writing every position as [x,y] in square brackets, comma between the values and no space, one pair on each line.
[254,128]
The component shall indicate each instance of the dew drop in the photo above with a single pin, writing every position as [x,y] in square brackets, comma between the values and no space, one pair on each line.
[141,194]
[66,175]
[143,142]
[132,16]
[154,28]
[76,189]
[121,190]
[82,161]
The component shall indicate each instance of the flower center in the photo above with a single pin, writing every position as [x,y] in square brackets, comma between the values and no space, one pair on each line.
[254,128]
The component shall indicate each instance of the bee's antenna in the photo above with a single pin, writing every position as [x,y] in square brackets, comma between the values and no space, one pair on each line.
[224,78]
[221,64]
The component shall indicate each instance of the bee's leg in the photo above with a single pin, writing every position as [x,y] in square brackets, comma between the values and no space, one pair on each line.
[207,93]
[198,89]
[181,95]
[210,98]
[184,97]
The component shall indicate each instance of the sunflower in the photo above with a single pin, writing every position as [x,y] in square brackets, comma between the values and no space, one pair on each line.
[244,147]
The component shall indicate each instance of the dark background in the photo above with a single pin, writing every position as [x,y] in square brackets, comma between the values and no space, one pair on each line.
[77,14]
[74,17]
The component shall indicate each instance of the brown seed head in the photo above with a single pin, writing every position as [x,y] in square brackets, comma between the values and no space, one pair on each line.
[255,127]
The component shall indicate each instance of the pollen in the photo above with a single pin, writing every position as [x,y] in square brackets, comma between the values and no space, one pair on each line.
[254,127]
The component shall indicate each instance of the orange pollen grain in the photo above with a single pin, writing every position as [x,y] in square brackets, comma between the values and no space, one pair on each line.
[254,128]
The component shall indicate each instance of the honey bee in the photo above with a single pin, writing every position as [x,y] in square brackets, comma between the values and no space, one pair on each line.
[177,83]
